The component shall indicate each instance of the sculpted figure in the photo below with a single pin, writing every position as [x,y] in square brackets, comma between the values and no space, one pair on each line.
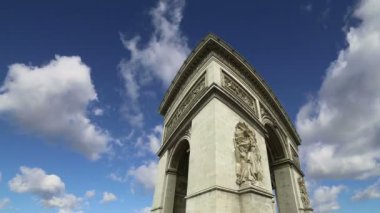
[248,158]
[303,191]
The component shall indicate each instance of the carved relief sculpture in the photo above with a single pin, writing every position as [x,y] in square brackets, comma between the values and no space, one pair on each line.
[304,195]
[185,105]
[239,92]
[248,159]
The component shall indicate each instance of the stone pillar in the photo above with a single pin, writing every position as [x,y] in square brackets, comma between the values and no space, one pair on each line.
[169,193]
[212,185]
[254,201]
[159,189]
[287,196]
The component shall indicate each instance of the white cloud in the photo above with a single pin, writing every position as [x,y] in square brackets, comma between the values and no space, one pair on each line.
[98,112]
[155,139]
[51,101]
[65,203]
[325,198]
[4,202]
[160,58]
[108,197]
[150,142]
[115,177]
[133,114]
[90,193]
[371,192]
[340,127]
[322,162]
[144,210]
[49,188]
[36,181]
[145,174]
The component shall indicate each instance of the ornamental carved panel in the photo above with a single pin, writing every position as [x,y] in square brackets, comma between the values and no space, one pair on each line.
[183,108]
[239,92]
[248,158]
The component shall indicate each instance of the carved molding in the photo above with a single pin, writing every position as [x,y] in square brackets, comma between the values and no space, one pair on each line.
[256,190]
[303,192]
[248,158]
[213,44]
[295,157]
[188,133]
[264,93]
[265,114]
[185,105]
[239,92]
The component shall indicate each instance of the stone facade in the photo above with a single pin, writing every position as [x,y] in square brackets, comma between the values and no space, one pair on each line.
[227,143]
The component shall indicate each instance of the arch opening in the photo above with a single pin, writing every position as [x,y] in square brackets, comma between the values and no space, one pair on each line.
[180,163]
[275,152]
[274,143]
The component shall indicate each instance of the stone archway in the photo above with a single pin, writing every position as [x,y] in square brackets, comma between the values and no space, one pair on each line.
[177,177]
[275,153]
[281,169]
[233,117]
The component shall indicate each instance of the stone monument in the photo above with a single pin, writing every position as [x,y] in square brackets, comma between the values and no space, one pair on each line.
[228,145]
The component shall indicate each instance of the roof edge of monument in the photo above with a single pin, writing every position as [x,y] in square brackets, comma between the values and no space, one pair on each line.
[206,45]
[174,87]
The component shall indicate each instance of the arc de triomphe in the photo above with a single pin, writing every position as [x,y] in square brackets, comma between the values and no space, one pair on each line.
[228,145]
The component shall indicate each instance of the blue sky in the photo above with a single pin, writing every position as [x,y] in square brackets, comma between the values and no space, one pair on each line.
[81,82]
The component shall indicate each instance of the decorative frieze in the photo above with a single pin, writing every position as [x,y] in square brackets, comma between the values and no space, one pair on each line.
[183,108]
[239,92]
[253,79]
[248,158]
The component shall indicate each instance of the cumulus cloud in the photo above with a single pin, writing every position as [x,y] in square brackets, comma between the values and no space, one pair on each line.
[65,203]
[36,181]
[145,174]
[150,142]
[371,192]
[325,198]
[108,197]
[49,188]
[52,100]
[4,202]
[160,58]
[340,127]
[90,193]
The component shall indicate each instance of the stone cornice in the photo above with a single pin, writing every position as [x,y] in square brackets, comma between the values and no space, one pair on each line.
[212,43]
[290,163]
[252,189]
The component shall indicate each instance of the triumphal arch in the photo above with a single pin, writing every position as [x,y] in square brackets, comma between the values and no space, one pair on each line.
[228,145]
